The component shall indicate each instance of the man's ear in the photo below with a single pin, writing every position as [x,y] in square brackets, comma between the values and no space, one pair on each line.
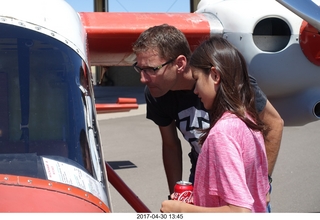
[181,62]
[215,75]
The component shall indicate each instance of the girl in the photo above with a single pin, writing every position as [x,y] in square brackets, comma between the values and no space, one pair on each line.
[231,173]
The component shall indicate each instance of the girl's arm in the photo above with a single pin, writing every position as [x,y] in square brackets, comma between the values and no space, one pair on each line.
[182,207]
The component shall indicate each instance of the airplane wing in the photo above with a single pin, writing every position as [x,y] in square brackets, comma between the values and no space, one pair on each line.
[110,37]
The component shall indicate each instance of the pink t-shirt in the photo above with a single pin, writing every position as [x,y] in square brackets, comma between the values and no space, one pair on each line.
[232,167]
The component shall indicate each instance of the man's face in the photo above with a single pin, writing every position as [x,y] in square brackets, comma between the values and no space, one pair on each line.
[157,73]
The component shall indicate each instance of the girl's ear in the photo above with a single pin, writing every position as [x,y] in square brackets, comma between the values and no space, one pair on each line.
[215,75]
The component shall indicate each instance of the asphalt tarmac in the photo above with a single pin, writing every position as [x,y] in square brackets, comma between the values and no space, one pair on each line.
[132,146]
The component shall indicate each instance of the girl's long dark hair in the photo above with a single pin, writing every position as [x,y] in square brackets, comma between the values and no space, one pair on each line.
[235,93]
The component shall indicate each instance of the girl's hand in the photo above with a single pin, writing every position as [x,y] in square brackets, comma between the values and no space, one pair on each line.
[171,206]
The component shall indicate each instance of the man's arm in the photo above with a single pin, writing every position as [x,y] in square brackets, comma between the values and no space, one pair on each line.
[171,155]
[273,120]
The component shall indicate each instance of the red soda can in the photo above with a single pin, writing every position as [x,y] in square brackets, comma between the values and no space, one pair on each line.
[183,191]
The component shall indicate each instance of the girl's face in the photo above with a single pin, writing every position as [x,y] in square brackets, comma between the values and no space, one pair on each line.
[206,85]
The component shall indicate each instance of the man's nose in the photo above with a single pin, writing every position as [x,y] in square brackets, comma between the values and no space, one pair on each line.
[143,77]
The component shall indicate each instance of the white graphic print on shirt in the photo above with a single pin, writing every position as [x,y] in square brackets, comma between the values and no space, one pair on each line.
[190,120]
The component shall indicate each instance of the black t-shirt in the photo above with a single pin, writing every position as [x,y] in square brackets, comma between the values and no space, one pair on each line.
[187,110]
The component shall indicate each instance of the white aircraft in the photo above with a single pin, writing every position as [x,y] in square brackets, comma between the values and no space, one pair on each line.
[50,144]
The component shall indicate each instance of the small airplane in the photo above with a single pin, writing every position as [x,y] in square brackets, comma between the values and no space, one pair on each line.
[51,153]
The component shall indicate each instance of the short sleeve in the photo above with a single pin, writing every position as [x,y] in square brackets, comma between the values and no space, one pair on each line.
[156,109]
[260,97]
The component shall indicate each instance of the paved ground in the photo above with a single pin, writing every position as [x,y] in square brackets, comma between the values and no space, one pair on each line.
[132,146]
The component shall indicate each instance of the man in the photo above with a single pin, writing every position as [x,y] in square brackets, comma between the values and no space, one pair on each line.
[162,60]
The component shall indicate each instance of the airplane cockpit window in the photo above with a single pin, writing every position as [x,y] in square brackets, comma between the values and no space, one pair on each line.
[45,106]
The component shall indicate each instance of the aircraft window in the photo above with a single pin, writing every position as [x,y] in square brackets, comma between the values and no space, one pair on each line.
[22,165]
[43,110]
[30,164]
[317,109]
[271,34]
